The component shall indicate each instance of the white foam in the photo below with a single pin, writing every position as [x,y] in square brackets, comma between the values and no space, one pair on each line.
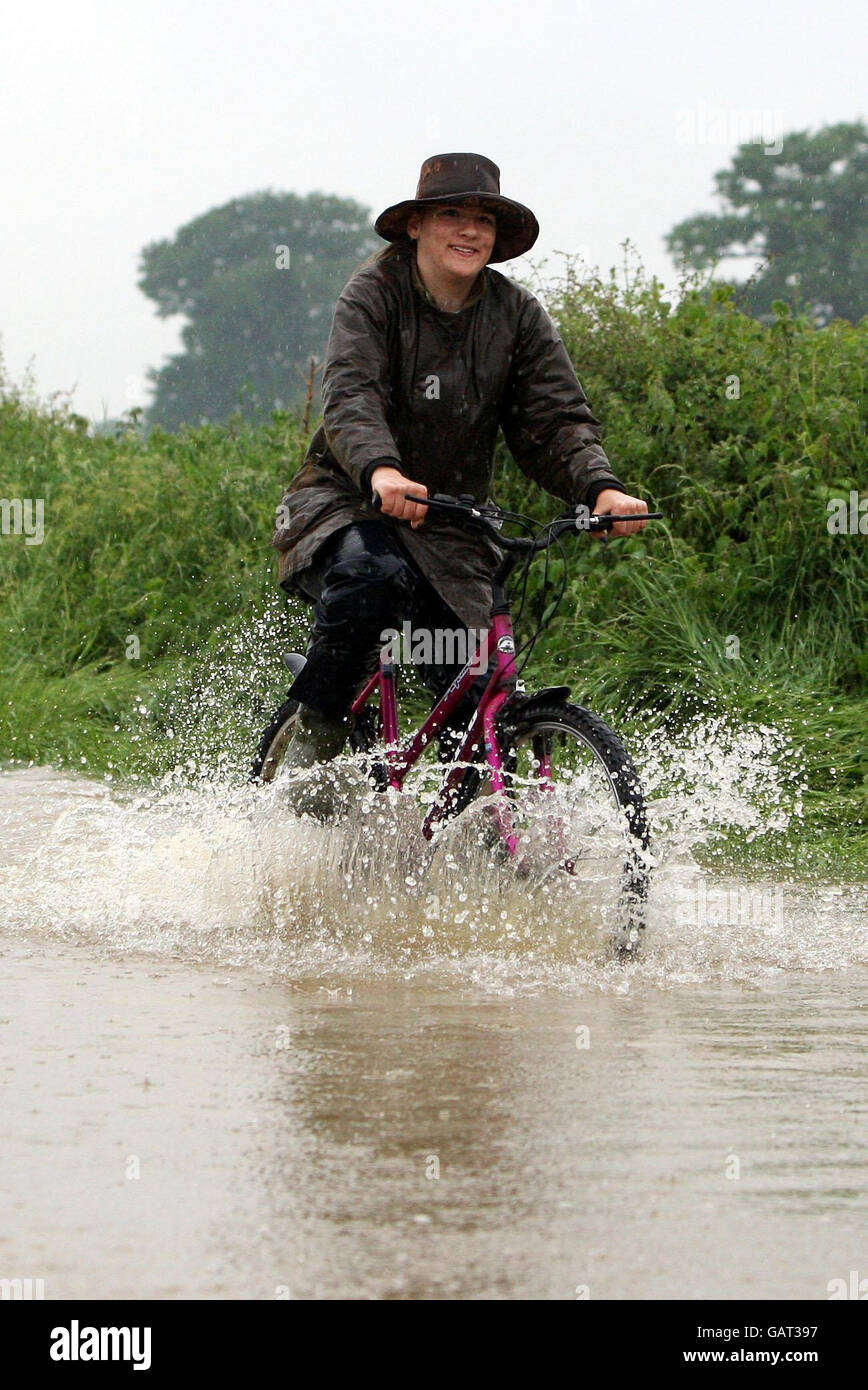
[221,872]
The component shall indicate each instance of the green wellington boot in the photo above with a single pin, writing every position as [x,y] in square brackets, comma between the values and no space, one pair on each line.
[316,788]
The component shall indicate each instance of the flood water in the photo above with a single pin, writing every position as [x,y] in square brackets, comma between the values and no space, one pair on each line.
[246,1056]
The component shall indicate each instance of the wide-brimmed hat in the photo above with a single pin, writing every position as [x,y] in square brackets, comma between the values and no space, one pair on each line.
[452,178]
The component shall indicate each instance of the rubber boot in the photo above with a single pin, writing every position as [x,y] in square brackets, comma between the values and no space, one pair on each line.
[317,738]
[314,787]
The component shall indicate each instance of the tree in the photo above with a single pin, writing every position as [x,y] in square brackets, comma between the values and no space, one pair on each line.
[803,212]
[257,280]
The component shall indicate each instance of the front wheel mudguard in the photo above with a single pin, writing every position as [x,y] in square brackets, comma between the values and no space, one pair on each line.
[519,705]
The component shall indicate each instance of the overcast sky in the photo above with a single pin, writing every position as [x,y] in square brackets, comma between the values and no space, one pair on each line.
[120,124]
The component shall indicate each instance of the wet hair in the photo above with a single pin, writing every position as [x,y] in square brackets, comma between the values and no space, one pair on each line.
[402,247]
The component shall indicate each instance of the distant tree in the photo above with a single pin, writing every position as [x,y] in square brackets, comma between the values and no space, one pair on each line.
[804,211]
[257,280]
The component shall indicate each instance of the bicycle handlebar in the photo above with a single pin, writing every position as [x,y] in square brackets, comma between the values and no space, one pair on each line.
[481,516]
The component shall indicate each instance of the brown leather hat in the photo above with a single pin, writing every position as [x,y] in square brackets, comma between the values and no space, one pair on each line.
[452,178]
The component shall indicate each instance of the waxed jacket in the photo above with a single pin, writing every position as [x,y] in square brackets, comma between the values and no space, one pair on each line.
[407,382]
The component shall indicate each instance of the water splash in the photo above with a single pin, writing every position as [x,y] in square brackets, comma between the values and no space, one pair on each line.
[217,872]
[715,777]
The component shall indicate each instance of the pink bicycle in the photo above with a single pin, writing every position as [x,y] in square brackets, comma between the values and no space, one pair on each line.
[559,792]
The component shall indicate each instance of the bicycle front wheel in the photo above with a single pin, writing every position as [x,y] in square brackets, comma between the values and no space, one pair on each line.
[575,814]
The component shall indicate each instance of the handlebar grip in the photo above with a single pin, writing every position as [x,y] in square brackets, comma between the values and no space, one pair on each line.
[607,520]
[377,501]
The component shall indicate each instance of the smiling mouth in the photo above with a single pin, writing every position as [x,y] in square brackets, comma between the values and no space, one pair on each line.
[466,251]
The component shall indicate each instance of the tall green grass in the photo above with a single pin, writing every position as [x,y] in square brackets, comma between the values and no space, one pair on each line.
[144,633]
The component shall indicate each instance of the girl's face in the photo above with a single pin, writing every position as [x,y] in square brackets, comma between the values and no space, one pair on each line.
[455,239]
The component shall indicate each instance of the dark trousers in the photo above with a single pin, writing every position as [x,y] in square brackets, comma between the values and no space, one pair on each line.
[362,582]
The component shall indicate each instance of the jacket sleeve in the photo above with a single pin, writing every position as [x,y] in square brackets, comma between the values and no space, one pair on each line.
[546,419]
[355,389]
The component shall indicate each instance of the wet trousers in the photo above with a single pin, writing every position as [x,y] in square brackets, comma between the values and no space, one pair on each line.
[362,583]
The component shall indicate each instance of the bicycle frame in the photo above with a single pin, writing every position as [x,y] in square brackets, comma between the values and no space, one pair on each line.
[482,728]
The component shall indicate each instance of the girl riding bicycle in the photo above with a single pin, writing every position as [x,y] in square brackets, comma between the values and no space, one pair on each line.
[431,352]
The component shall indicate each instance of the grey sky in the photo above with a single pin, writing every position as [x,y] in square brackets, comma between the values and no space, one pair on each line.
[119,125]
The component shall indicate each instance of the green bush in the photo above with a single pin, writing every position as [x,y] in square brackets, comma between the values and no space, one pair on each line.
[740,602]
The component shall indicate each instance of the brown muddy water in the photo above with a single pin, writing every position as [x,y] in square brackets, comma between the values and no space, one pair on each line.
[247,1057]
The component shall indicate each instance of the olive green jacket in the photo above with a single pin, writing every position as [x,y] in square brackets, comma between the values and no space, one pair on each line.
[428,390]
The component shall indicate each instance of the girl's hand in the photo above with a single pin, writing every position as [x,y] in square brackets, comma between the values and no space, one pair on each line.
[391,485]
[621,504]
